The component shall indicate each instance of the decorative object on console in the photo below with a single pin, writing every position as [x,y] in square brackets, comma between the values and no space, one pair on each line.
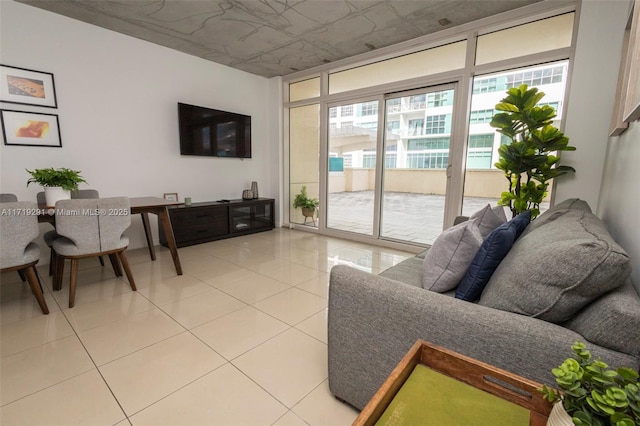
[247,194]
[529,156]
[30,129]
[27,87]
[592,393]
[254,189]
[57,183]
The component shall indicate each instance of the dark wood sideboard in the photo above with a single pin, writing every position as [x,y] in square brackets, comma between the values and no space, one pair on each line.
[209,221]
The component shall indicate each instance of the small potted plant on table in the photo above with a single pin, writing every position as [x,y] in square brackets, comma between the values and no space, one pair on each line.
[309,206]
[57,183]
[592,394]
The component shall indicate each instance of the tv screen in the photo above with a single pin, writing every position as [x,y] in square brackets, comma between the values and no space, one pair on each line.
[214,133]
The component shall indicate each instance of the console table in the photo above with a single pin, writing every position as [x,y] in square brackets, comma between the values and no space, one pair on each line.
[209,221]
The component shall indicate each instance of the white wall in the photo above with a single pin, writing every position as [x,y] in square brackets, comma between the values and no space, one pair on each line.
[620,197]
[591,96]
[117,106]
[610,186]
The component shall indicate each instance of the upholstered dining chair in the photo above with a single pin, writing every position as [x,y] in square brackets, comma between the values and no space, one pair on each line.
[8,198]
[50,236]
[89,228]
[18,252]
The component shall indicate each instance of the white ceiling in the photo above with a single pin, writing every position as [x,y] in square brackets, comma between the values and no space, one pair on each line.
[276,37]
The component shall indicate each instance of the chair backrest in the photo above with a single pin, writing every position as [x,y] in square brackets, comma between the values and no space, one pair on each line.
[18,228]
[79,194]
[94,225]
[84,194]
[8,198]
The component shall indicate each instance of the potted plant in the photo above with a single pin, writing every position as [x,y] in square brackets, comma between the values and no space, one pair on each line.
[309,206]
[593,394]
[529,161]
[57,183]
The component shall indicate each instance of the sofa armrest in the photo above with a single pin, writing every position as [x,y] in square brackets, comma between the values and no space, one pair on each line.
[373,322]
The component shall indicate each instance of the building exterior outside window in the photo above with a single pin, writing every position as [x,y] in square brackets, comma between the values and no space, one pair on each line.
[420,123]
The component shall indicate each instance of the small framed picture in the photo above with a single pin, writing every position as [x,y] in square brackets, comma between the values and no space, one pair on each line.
[171,196]
[27,87]
[30,129]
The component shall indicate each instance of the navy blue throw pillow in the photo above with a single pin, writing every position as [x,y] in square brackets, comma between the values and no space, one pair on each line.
[494,248]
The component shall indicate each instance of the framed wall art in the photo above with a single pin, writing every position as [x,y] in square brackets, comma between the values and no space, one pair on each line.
[30,128]
[27,87]
[171,196]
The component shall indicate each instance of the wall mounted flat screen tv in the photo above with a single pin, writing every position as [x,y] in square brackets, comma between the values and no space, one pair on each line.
[214,133]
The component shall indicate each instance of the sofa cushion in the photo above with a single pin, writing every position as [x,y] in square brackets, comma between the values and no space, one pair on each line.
[557,269]
[489,219]
[611,321]
[450,255]
[494,248]
[409,271]
[557,211]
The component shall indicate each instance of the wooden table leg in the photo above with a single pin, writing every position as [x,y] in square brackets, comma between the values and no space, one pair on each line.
[165,222]
[147,233]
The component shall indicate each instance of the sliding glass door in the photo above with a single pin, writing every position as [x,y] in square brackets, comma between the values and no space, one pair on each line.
[352,163]
[387,169]
[417,152]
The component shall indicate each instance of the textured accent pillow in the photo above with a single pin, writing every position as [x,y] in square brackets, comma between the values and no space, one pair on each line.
[557,269]
[494,248]
[450,255]
[488,219]
[499,211]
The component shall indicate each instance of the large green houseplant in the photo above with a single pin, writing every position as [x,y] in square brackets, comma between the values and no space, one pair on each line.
[308,205]
[594,395]
[528,161]
[57,183]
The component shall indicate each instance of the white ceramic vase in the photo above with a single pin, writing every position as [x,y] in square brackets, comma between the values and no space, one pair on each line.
[559,416]
[52,194]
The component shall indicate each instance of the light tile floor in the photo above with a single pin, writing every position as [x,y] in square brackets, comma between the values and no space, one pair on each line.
[239,339]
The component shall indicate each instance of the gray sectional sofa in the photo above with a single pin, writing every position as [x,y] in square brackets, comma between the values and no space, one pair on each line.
[563,280]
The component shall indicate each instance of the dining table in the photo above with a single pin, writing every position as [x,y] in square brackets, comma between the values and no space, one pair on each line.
[142,206]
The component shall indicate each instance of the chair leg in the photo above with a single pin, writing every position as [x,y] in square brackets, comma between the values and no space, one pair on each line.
[58,272]
[127,269]
[36,288]
[52,262]
[101,260]
[72,282]
[115,264]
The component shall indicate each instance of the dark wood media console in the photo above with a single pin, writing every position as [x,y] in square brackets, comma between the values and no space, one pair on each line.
[210,221]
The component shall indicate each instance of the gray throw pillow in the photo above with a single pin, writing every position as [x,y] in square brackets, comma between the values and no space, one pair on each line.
[557,269]
[557,211]
[446,263]
[489,219]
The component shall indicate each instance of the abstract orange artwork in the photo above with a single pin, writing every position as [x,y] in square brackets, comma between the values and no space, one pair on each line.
[33,129]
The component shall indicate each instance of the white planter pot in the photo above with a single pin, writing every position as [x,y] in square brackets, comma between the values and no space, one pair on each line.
[55,193]
[559,416]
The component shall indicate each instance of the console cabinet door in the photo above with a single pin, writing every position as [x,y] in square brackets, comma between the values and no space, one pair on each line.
[251,217]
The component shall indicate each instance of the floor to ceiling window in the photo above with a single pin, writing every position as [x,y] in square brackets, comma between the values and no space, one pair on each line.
[401,145]
[483,182]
